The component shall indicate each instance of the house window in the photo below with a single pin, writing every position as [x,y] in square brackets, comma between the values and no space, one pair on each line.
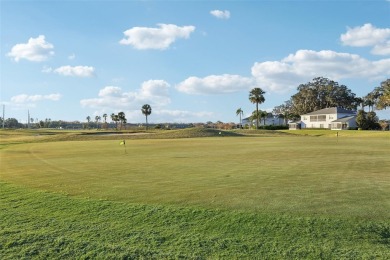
[321,118]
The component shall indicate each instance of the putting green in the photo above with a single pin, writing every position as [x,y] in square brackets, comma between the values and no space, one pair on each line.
[299,174]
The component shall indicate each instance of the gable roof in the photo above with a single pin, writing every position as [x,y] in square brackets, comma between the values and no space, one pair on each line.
[332,110]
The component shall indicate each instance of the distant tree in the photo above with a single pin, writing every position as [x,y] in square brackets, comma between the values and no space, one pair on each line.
[372,121]
[240,113]
[263,115]
[286,111]
[88,119]
[122,119]
[47,123]
[255,116]
[384,124]
[115,119]
[383,92]
[146,110]
[322,93]
[281,111]
[361,119]
[256,96]
[360,102]
[105,117]
[12,123]
[97,119]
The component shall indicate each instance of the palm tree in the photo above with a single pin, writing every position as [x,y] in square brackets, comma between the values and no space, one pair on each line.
[255,115]
[240,112]
[88,119]
[256,97]
[105,117]
[115,119]
[146,110]
[122,118]
[97,119]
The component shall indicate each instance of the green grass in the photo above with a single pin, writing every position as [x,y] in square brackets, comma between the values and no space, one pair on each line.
[266,194]
[44,225]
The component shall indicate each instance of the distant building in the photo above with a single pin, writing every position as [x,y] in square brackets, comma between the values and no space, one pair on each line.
[334,118]
[269,120]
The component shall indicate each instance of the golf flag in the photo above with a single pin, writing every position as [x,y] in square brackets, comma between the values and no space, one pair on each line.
[124,144]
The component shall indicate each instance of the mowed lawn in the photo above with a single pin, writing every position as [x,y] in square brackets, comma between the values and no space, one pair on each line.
[304,175]
[258,196]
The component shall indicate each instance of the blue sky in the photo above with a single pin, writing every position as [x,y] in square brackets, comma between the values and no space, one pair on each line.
[192,61]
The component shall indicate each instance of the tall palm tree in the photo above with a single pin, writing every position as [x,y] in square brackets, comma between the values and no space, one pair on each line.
[105,117]
[88,119]
[146,110]
[256,96]
[240,112]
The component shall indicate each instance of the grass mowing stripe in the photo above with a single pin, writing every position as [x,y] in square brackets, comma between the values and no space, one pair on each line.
[37,224]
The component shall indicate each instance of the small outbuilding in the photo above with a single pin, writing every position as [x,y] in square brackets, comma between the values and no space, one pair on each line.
[294,125]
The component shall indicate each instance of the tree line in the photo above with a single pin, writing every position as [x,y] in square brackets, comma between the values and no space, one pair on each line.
[120,118]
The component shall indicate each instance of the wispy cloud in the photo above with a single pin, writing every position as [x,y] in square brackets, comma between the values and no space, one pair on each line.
[36,49]
[24,98]
[159,38]
[72,56]
[220,14]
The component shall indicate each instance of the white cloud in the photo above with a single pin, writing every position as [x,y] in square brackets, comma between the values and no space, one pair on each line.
[366,36]
[304,65]
[220,14]
[36,49]
[153,92]
[215,84]
[155,38]
[72,57]
[24,98]
[77,71]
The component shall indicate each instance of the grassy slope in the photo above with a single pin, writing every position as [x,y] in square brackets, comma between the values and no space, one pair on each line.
[281,213]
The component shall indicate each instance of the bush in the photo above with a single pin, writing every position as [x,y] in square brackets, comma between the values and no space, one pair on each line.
[274,127]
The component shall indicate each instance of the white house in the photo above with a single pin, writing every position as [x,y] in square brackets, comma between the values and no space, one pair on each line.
[269,120]
[334,118]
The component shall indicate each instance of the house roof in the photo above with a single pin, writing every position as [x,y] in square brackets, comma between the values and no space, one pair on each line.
[331,110]
[344,119]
